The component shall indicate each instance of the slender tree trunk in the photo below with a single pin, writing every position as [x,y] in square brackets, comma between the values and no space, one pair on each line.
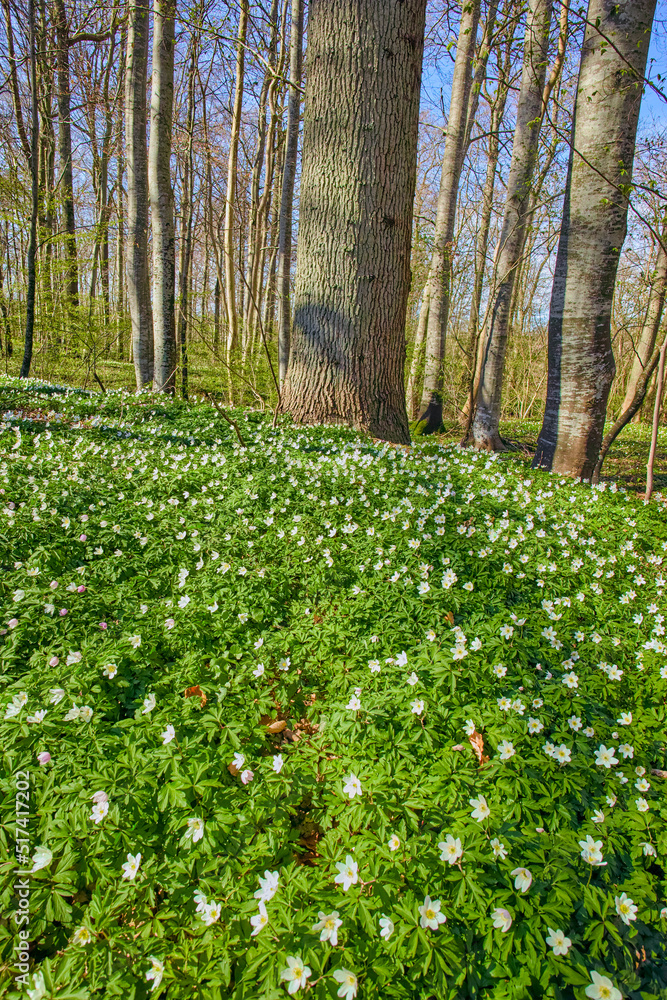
[162,196]
[355,220]
[186,223]
[65,154]
[437,297]
[34,170]
[258,162]
[287,193]
[138,292]
[656,421]
[485,422]
[415,378]
[651,325]
[230,274]
[581,360]
[216,314]
[484,226]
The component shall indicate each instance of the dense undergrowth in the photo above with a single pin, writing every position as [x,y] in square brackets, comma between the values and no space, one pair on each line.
[306,696]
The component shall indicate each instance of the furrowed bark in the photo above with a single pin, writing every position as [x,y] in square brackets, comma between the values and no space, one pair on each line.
[580,357]
[355,217]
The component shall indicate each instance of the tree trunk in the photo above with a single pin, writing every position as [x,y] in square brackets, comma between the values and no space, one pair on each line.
[413,391]
[287,193]
[581,360]
[162,196]
[355,220]
[437,295]
[483,228]
[230,274]
[34,170]
[65,154]
[138,293]
[484,431]
[651,325]
[186,221]
[656,421]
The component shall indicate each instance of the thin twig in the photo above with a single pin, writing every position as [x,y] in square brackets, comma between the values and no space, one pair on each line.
[226,417]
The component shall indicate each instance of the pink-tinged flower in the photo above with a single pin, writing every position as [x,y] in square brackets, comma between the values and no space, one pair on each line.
[523,879]
[82,538]
[103,625]
[44,757]
[81,589]
[12,623]
[54,661]
[502,919]
[247,776]
[53,585]
[62,612]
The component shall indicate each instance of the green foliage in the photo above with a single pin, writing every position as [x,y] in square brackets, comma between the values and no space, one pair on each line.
[402,612]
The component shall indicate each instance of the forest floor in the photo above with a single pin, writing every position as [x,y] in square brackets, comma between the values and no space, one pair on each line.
[305,712]
[625,463]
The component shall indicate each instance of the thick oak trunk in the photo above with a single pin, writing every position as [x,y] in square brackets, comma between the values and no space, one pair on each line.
[355,216]
[138,293]
[162,196]
[581,361]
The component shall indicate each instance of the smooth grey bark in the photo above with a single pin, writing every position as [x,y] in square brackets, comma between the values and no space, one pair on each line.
[656,421]
[230,273]
[138,293]
[651,324]
[65,154]
[287,192]
[436,296]
[629,410]
[186,220]
[355,215]
[581,364]
[484,430]
[34,172]
[162,196]
[120,217]
[413,394]
[497,109]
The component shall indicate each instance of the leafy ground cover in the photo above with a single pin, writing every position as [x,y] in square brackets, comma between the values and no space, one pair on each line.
[314,715]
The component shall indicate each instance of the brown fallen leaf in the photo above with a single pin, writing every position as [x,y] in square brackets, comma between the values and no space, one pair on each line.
[195,692]
[450,617]
[277,726]
[233,769]
[459,746]
[477,743]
